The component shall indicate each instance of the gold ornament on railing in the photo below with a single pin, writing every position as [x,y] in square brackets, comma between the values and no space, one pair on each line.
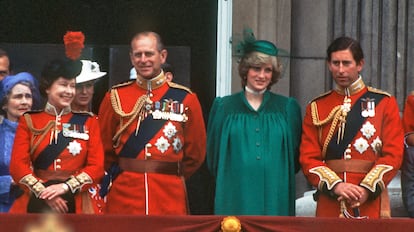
[230,224]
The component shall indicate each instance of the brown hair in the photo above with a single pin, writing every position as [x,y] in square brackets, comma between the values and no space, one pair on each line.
[258,58]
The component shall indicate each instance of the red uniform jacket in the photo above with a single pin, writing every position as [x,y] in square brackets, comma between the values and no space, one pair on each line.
[153,193]
[88,160]
[379,140]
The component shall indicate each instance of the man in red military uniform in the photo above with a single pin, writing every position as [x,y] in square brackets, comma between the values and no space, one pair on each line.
[154,136]
[352,140]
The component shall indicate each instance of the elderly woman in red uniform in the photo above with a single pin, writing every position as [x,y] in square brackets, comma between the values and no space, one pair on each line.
[57,153]
[352,140]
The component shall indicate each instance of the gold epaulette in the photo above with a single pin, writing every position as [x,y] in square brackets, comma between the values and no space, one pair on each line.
[84,112]
[123,84]
[178,86]
[322,95]
[412,92]
[374,90]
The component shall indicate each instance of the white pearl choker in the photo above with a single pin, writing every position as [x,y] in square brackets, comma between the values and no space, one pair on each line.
[249,90]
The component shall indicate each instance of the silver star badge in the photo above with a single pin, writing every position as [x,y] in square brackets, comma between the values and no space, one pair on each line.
[74,147]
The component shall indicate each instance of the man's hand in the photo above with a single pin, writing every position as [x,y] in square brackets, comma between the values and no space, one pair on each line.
[354,195]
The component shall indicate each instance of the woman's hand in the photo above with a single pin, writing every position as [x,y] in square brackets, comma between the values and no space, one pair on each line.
[58,205]
[53,191]
[51,195]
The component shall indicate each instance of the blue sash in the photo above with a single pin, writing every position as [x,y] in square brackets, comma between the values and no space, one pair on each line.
[46,157]
[354,122]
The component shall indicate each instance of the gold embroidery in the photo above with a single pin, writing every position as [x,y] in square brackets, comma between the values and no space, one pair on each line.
[326,175]
[374,177]
[76,182]
[33,184]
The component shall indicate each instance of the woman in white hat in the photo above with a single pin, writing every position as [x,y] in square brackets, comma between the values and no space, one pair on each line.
[82,102]
[85,85]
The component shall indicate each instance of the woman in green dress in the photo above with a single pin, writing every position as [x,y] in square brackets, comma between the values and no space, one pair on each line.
[253,138]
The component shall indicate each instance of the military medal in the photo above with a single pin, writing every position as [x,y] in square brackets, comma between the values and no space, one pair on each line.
[169,110]
[71,131]
[361,145]
[74,148]
[368,107]
[376,145]
[162,144]
[170,130]
[177,144]
[368,130]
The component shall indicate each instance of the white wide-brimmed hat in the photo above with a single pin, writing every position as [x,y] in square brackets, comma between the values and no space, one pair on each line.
[90,71]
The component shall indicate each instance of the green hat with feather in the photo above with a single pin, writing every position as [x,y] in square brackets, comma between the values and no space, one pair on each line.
[250,44]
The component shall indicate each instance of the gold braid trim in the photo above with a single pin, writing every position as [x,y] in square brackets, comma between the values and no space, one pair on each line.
[75,183]
[35,132]
[326,176]
[372,89]
[374,177]
[34,184]
[137,110]
[332,116]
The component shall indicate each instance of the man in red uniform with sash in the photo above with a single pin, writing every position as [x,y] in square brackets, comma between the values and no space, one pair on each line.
[352,140]
[154,136]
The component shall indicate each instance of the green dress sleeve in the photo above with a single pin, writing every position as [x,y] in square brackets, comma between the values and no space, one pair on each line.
[214,127]
[295,124]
